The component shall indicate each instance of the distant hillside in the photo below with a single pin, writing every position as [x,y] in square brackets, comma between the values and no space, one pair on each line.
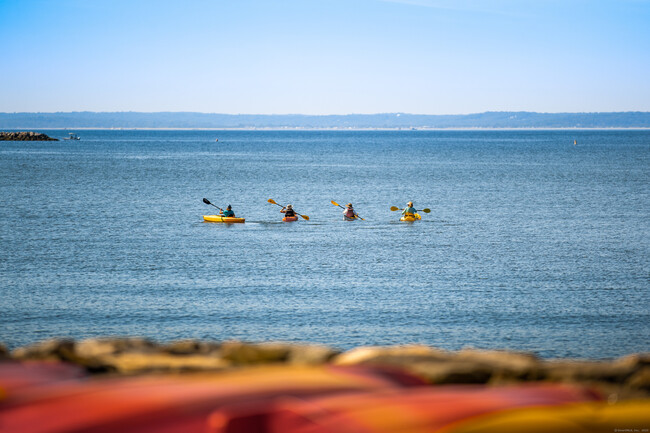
[522,119]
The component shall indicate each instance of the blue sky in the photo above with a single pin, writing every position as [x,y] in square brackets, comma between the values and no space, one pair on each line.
[325,57]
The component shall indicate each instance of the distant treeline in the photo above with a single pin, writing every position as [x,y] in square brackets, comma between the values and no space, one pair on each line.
[87,119]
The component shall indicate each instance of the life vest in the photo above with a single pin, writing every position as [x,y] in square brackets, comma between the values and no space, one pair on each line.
[289,213]
[349,212]
[409,211]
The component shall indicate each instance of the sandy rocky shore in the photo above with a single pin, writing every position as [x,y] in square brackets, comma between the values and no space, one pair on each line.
[620,379]
[25,136]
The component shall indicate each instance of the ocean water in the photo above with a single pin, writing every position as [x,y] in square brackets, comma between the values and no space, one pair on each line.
[532,243]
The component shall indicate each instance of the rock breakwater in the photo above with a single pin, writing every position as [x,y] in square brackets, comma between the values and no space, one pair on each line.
[25,136]
[623,378]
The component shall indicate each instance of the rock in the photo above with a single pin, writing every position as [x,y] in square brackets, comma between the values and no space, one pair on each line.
[392,355]
[139,355]
[310,354]
[4,353]
[586,371]
[48,350]
[441,367]
[514,360]
[189,347]
[504,366]
[639,380]
[99,347]
[25,136]
[98,354]
[240,353]
[634,361]
[451,372]
[58,350]
[131,363]
[433,365]
[624,378]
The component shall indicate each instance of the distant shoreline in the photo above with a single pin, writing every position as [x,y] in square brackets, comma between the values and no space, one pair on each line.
[347,122]
[85,128]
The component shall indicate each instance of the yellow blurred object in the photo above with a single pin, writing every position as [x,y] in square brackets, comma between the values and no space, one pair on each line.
[593,417]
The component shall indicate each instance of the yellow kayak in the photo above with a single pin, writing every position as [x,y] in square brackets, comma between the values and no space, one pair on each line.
[411,218]
[222,219]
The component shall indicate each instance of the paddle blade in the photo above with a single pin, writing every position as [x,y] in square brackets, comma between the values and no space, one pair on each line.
[394,208]
[305,217]
[336,204]
[427,210]
[206,201]
[271,201]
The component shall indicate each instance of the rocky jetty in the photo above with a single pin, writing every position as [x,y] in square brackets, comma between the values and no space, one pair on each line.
[25,136]
[624,378]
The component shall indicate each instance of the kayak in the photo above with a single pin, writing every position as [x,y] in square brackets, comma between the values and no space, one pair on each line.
[222,219]
[349,219]
[411,218]
[289,219]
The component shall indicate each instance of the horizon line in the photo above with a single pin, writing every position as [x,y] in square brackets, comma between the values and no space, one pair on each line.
[325,115]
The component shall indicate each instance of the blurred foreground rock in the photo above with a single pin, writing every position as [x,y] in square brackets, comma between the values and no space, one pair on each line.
[25,136]
[623,378]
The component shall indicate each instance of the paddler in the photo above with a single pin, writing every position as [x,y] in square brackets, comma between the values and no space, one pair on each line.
[409,210]
[228,212]
[288,211]
[349,212]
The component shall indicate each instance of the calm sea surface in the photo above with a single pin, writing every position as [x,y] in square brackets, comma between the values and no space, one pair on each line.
[532,243]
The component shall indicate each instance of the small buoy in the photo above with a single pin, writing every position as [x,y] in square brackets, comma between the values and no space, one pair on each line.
[575,142]
[216,139]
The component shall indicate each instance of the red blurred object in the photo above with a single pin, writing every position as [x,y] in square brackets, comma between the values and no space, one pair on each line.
[49,397]
[420,410]
[16,376]
[165,404]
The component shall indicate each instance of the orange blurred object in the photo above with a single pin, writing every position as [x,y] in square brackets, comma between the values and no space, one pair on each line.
[48,397]
[35,402]
[420,410]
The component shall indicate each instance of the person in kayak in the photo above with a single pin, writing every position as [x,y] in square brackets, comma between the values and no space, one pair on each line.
[409,210]
[228,212]
[349,212]
[288,211]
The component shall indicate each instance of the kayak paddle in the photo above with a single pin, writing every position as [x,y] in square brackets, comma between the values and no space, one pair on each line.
[336,204]
[426,210]
[206,201]
[273,202]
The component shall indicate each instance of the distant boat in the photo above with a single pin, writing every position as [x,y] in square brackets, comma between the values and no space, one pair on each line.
[72,137]
[575,142]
